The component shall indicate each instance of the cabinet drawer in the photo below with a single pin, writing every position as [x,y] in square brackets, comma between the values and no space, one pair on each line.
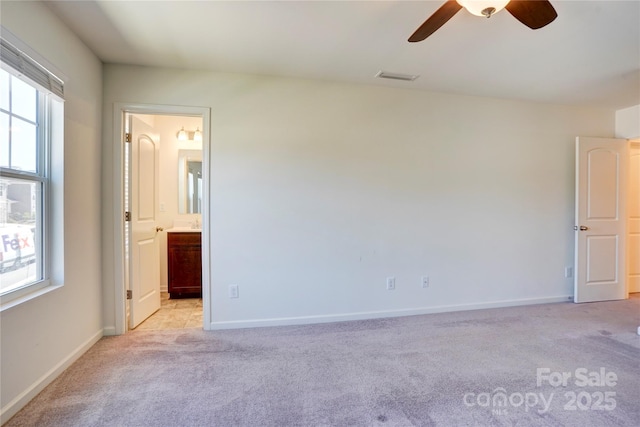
[186,238]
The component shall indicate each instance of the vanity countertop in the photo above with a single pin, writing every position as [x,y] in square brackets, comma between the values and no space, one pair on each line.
[184,230]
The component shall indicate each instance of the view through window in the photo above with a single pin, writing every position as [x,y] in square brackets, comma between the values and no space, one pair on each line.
[23,182]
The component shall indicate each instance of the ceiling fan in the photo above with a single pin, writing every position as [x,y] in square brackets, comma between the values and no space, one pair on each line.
[532,13]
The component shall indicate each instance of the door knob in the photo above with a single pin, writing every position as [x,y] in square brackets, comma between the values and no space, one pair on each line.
[159,229]
[582,228]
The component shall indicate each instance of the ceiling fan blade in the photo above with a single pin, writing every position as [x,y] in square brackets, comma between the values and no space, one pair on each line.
[435,21]
[532,13]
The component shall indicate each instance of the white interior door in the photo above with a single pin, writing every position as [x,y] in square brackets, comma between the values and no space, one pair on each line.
[633,242]
[144,269]
[601,193]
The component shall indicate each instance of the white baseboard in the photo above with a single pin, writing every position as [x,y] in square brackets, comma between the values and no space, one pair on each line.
[109,331]
[307,320]
[11,408]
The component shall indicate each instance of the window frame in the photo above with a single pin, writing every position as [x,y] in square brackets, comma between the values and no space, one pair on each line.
[48,178]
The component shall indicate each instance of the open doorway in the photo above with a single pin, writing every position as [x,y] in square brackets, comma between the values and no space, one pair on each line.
[163,193]
[633,237]
[160,148]
[607,219]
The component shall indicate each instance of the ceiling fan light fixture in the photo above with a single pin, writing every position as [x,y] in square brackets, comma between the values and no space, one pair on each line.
[483,7]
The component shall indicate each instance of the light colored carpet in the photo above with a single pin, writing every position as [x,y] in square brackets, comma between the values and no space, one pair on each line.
[434,370]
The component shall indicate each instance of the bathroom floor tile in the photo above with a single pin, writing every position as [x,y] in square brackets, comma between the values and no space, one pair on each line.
[175,314]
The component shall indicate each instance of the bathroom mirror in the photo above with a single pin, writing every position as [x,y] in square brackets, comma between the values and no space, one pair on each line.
[189,181]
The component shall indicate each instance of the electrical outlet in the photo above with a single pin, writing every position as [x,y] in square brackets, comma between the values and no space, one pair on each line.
[568,272]
[391,283]
[233,291]
[425,281]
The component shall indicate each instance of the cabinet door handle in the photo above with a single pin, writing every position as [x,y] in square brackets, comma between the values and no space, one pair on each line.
[159,229]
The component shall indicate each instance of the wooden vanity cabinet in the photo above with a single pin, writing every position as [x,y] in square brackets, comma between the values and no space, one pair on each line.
[185,264]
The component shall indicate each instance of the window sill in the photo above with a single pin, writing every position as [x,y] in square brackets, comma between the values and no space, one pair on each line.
[13,299]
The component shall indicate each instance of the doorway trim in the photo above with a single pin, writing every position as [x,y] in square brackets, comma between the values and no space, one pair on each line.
[634,144]
[119,111]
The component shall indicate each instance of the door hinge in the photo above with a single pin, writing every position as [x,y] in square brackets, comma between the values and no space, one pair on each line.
[129,294]
[127,137]
[127,216]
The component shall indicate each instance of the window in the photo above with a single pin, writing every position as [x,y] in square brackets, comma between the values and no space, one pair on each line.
[30,115]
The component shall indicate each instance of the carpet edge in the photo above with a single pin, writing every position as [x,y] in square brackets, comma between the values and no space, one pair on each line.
[12,408]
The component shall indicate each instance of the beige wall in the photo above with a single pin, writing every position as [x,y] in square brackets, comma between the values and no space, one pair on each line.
[628,122]
[320,191]
[42,336]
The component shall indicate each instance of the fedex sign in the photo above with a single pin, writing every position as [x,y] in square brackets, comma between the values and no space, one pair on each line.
[16,246]
[15,243]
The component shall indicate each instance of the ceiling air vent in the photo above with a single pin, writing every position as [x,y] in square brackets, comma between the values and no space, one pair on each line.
[396,76]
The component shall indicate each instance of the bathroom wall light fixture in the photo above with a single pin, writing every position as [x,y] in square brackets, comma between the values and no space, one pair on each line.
[189,135]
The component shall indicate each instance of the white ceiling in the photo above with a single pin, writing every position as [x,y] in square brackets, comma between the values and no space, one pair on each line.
[590,55]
